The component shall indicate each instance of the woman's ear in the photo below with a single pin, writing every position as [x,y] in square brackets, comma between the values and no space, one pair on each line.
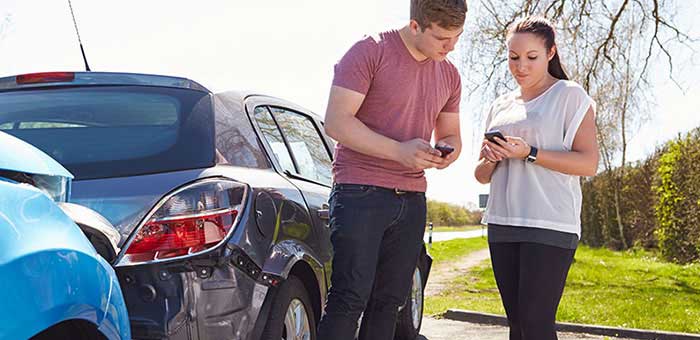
[552,52]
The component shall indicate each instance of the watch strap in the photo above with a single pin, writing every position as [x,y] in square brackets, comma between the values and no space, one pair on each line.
[532,157]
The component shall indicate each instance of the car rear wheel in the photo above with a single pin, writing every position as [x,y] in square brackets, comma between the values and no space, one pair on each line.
[411,315]
[291,316]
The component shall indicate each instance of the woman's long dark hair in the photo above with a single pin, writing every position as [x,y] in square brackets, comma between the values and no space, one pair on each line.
[544,29]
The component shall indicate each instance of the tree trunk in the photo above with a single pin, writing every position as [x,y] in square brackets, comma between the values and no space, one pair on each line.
[618,217]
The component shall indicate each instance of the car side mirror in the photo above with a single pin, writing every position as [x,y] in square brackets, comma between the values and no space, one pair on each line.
[102,234]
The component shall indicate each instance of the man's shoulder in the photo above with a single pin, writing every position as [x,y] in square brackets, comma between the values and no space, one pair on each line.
[376,40]
[372,46]
[447,63]
[448,66]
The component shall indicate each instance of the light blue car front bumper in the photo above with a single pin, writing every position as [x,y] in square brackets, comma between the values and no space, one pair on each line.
[49,272]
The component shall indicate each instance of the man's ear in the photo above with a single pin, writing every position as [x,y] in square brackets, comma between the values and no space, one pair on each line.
[414,27]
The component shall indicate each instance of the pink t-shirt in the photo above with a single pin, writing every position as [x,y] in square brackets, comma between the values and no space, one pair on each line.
[403,98]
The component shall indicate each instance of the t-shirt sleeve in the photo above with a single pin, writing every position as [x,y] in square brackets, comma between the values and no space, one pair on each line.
[452,104]
[492,110]
[576,105]
[489,117]
[356,68]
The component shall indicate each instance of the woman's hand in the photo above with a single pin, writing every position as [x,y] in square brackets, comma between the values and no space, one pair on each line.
[489,154]
[513,147]
[488,161]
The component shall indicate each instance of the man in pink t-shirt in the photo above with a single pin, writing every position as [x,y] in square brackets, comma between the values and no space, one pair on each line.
[390,93]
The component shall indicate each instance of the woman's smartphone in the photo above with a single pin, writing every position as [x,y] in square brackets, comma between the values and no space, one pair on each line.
[493,134]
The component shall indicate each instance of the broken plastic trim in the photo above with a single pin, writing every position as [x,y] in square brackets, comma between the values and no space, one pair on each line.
[244,263]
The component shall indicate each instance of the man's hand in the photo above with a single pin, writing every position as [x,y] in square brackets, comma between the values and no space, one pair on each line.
[418,154]
[447,133]
[449,159]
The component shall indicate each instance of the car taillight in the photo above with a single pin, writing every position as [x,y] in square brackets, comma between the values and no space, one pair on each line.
[191,220]
[45,77]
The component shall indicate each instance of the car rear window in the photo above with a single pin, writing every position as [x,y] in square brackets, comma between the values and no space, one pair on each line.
[112,131]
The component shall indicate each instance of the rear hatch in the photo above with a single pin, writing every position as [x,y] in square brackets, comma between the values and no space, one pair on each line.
[118,140]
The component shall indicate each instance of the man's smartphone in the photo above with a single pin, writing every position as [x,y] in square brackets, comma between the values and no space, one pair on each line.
[493,134]
[444,150]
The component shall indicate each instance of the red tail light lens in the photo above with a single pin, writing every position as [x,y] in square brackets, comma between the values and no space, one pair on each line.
[46,77]
[182,236]
[188,222]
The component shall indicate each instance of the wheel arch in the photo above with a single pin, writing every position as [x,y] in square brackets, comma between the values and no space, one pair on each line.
[303,271]
[73,328]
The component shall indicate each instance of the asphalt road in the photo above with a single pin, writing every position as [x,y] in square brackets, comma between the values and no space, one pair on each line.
[450,235]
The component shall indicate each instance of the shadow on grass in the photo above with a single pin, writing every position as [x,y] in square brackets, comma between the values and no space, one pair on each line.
[678,286]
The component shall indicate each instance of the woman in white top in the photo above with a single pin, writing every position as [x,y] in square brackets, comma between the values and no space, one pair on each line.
[534,207]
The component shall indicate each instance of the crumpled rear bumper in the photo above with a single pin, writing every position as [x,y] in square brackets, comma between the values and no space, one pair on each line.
[219,302]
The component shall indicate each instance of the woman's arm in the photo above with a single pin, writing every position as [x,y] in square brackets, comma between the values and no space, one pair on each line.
[582,160]
[488,160]
[484,170]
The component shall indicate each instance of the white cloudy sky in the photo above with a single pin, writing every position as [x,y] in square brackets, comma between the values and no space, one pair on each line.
[280,47]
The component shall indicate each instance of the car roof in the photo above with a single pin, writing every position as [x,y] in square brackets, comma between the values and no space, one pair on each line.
[58,79]
[53,79]
[242,96]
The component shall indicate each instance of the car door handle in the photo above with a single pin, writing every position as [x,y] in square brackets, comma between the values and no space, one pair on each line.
[324,214]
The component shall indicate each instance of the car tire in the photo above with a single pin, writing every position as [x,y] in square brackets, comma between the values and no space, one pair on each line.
[291,314]
[410,317]
[71,330]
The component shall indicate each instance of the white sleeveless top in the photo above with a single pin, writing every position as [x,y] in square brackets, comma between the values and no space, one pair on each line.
[526,194]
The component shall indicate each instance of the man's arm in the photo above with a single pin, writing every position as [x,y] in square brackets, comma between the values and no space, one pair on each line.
[342,125]
[447,131]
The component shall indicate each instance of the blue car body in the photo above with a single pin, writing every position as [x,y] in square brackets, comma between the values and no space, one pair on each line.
[50,274]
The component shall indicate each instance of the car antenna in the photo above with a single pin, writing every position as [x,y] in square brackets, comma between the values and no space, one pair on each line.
[82,50]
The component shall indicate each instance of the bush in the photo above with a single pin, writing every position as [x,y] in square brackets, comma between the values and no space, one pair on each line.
[659,203]
[446,214]
[595,212]
[678,191]
[638,201]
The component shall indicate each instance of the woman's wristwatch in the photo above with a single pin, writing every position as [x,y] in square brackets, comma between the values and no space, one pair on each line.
[532,157]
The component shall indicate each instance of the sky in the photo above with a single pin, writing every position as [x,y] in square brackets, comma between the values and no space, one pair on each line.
[278,47]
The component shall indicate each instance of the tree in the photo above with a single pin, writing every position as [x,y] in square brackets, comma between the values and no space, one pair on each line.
[607,46]
[446,214]
[4,24]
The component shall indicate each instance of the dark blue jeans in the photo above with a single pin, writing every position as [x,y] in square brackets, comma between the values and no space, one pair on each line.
[377,235]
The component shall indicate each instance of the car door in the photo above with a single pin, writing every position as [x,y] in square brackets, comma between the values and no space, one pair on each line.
[302,156]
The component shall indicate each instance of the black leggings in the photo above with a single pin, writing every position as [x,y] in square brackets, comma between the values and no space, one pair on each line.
[531,280]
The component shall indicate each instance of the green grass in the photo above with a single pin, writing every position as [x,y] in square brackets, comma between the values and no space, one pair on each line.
[454,249]
[441,229]
[622,289]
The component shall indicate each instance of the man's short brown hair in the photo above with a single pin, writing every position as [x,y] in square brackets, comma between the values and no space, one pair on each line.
[447,14]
